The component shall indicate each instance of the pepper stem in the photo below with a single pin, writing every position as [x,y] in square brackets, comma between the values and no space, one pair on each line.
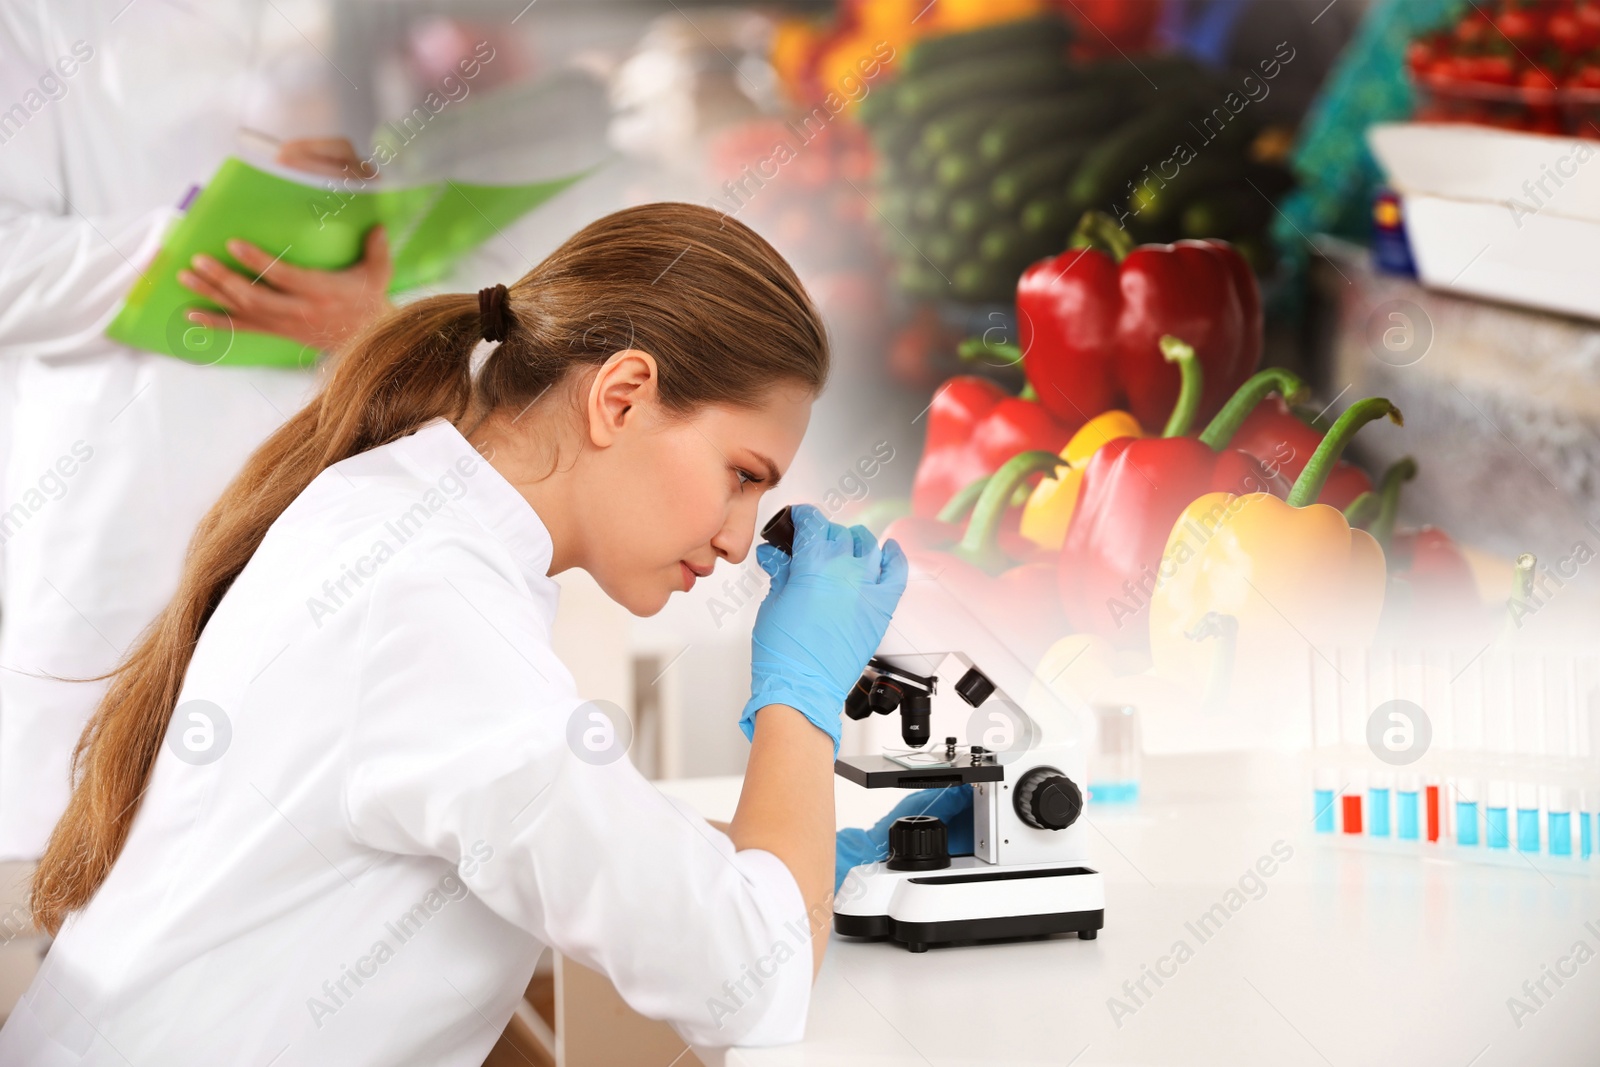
[1176,351]
[977,545]
[976,348]
[1239,406]
[1315,475]
[956,508]
[1521,589]
[1399,472]
[1100,231]
[1362,510]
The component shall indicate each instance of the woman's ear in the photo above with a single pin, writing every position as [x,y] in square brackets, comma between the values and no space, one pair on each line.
[623,386]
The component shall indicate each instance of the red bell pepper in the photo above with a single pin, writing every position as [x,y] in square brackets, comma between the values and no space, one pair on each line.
[1433,596]
[1133,491]
[1278,437]
[974,426]
[1011,594]
[1091,320]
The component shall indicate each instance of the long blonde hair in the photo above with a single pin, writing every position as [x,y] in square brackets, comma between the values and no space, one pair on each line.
[719,309]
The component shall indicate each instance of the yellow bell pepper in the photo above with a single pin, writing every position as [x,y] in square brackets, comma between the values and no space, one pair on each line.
[956,16]
[1049,510]
[1248,582]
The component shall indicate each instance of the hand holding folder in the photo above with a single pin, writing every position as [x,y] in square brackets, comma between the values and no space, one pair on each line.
[319,224]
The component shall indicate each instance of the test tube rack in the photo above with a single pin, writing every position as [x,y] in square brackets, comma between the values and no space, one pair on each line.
[1491,757]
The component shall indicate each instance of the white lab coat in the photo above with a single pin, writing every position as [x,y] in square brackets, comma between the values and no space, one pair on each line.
[387,737]
[108,112]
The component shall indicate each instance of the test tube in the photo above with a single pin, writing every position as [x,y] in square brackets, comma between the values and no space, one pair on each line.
[1527,704]
[1467,705]
[1497,687]
[1324,741]
[1350,803]
[1587,713]
[1561,689]
[1378,819]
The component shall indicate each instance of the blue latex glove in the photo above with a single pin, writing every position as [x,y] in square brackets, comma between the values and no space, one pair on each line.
[822,619]
[954,805]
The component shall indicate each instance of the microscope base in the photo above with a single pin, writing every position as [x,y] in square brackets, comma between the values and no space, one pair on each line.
[970,901]
[918,937]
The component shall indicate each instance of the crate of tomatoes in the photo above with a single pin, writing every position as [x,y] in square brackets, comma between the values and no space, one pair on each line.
[1529,65]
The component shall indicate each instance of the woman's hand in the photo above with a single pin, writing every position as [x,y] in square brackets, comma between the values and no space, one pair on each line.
[318,308]
[822,619]
[952,805]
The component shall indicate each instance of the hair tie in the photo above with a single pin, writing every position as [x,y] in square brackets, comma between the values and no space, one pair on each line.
[494,316]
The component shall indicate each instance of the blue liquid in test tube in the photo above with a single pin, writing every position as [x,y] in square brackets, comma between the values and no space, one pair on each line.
[1466,822]
[1406,814]
[1323,799]
[1378,811]
[1497,828]
[1560,833]
[1527,829]
[1585,835]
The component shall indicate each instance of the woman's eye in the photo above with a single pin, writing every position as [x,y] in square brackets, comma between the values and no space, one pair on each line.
[745,477]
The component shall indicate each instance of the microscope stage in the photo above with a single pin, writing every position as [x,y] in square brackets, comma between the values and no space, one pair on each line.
[880,772]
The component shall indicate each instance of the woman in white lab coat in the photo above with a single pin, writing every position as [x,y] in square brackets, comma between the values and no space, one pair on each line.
[342,795]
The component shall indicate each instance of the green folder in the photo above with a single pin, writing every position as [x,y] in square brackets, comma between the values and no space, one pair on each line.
[431,226]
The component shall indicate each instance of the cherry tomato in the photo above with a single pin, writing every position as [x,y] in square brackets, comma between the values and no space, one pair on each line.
[1521,26]
[1588,17]
[1472,29]
[1419,54]
[1494,70]
[1568,33]
[1537,79]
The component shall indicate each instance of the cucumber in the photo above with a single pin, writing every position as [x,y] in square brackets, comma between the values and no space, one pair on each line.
[1101,180]
[916,278]
[923,97]
[1236,209]
[1002,244]
[878,106]
[1009,247]
[1048,215]
[956,130]
[1158,203]
[975,280]
[895,203]
[1049,168]
[895,140]
[1021,127]
[929,205]
[968,212]
[956,172]
[1020,35]
[947,249]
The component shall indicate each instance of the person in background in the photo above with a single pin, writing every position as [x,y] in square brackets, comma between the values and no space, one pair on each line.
[109,111]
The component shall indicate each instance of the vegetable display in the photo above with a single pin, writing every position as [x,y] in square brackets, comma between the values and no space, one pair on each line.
[1519,64]
[994,142]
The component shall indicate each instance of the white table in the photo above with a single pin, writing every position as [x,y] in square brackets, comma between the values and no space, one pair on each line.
[1343,957]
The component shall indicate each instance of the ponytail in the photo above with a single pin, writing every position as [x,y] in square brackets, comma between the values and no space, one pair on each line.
[411,368]
[722,313]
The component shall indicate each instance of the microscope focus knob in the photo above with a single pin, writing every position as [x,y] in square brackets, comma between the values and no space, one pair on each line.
[918,843]
[1046,799]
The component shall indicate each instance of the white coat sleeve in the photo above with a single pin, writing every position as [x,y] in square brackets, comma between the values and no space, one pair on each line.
[63,274]
[460,748]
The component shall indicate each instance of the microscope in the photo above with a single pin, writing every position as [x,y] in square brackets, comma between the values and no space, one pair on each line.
[1027,875]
